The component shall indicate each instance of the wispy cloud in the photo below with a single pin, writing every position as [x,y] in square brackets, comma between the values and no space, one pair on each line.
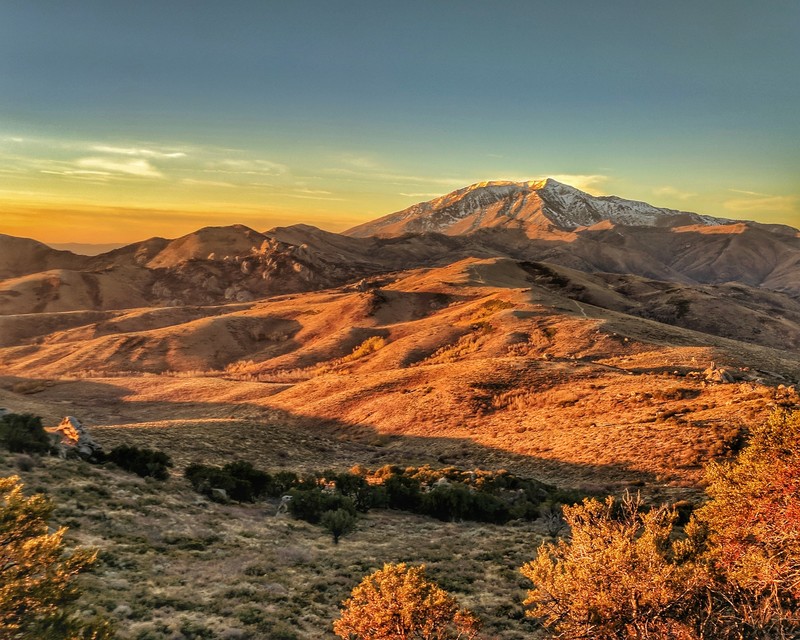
[590,183]
[360,161]
[751,193]
[673,192]
[766,204]
[420,195]
[303,196]
[78,173]
[139,167]
[247,167]
[192,182]
[396,178]
[138,152]
[314,192]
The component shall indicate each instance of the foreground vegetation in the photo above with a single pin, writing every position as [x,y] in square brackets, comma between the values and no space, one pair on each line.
[37,575]
[732,573]
[625,569]
[334,498]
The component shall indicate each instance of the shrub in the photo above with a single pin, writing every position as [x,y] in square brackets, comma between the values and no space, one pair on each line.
[617,577]
[24,462]
[142,462]
[400,602]
[402,492]
[282,481]
[752,523]
[370,345]
[733,575]
[38,587]
[357,488]
[448,502]
[339,523]
[240,480]
[310,504]
[23,433]
[248,483]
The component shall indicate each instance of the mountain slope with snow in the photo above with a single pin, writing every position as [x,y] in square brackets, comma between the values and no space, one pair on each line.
[538,208]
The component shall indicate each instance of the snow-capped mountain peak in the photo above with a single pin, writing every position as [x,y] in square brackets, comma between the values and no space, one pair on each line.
[534,206]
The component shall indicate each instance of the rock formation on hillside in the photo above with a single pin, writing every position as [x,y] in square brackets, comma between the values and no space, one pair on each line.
[70,437]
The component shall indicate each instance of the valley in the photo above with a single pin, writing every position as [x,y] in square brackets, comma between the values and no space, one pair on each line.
[596,354]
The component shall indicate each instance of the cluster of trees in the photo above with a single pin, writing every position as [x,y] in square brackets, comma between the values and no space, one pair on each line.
[446,494]
[334,499]
[240,481]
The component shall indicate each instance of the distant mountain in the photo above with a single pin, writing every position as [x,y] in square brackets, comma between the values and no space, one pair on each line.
[538,221]
[23,256]
[86,248]
[537,208]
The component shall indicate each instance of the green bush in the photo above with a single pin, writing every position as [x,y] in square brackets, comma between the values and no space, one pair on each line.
[310,504]
[403,492]
[338,522]
[240,480]
[447,502]
[142,462]
[282,481]
[248,483]
[357,488]
[24,433]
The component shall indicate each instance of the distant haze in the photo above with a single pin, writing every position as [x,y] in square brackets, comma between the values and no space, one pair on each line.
[85,249]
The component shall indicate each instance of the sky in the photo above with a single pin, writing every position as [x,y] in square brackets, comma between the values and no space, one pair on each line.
[123,120]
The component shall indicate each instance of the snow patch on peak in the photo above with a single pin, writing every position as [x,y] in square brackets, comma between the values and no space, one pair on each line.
[534,206]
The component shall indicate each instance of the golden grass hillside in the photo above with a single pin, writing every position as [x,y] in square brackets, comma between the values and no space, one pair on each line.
[484,362]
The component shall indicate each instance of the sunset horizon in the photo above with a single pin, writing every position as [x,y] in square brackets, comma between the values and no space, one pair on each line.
[120,122]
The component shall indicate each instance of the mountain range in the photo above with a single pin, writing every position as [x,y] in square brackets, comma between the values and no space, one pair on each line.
[543,221]
[493,315]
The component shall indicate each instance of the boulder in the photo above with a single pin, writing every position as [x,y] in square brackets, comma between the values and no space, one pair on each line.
[218,494]
[72,438]
[717,375]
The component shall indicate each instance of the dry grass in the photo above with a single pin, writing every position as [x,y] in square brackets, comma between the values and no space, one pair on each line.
[172,562]
[472,365]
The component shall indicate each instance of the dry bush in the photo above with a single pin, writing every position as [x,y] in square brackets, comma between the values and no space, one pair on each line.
[370,345]
[38,579]
[753,527]
[616,577]
[400,602]
[461,348]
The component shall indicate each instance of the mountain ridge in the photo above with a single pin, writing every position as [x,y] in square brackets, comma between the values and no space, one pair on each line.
[235,263]
[535,207]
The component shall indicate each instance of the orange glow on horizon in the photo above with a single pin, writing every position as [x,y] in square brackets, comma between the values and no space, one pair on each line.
[88,223]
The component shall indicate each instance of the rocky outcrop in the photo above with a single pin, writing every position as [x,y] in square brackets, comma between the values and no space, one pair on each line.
[71,438]
[718,375]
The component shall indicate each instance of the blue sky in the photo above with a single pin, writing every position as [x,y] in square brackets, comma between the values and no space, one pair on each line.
[121,120]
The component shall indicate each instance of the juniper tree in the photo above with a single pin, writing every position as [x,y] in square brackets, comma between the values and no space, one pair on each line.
[37,575]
